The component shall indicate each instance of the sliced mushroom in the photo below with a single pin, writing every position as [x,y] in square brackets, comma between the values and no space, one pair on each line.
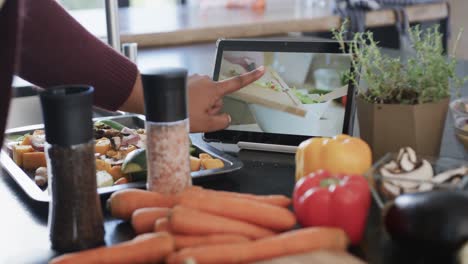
[400,154]
[413,178]
[412,155]
[391,166]
[447,175]
[424,187]
[405,163]
[411,190]
[405,184]
[398,180]
[392,189]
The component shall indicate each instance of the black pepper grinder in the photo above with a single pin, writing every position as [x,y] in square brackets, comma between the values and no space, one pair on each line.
[75,215]
[167,130]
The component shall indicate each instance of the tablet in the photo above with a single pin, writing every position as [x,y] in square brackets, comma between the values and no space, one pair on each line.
[304,93]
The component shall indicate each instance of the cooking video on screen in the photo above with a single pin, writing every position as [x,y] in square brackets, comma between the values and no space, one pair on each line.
[300,93]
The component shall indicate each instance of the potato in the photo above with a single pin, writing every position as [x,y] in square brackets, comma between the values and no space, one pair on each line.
[128,149]
[101,165]
[102,146]
[209,164]
[195,164]
[204,156]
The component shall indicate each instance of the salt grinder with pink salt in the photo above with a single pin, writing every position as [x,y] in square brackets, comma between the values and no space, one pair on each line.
[167,129]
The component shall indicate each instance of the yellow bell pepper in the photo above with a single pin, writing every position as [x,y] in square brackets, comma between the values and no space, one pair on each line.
[340,154]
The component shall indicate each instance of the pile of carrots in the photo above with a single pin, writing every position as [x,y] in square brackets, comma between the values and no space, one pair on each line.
[206,226]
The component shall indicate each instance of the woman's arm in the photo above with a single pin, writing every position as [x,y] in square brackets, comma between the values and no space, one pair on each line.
[8,50]
[135,102]
[57,50]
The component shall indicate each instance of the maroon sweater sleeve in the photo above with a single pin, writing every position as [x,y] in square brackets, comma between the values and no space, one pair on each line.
[9,26]
[57,50]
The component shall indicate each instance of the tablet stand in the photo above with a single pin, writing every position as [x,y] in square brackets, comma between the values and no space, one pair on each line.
[267,147]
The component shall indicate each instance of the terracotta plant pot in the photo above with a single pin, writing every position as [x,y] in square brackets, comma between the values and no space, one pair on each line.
[388,127]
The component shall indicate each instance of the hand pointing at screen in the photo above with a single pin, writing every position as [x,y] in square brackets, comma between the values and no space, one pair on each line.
[206,99]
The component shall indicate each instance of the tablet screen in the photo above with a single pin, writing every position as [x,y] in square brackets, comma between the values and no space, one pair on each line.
[300,93]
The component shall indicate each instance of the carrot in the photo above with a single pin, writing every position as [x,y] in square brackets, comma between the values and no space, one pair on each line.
[183,241]
[293,242]
[122,180]
[162,225]
[264,215]
[278,200]
[147,248]
[123,203]
[274,199]
[187,221]
[143,219]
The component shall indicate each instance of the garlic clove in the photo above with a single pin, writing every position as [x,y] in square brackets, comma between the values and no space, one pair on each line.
[392,189]
[392,166]
[41,181]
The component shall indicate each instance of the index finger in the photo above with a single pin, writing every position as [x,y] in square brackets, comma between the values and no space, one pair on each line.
[236,83]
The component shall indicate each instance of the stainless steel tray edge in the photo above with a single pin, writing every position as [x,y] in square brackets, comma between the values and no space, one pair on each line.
[22,179]
[36,193]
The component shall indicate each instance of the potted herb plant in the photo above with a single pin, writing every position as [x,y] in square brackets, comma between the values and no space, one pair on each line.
[403,101]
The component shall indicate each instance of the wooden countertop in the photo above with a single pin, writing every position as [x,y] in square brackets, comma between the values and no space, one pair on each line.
[174,25]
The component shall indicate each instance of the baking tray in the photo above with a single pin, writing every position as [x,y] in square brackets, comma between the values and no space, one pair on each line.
[27,183]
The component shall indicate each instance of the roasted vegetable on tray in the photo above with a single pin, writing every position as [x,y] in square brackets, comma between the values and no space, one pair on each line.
[119,150]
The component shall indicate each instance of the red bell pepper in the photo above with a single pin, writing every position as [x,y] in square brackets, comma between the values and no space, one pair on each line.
[342,201]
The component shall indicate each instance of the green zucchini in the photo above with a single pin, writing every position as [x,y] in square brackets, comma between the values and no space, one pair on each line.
[112,124]
[135,161]
[16,137]
[137,176]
